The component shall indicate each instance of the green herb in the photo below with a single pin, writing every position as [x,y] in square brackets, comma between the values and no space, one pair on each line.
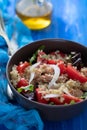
[84,96]
[26,88]
[34,56]
[19,90]
[31,88]
[72,102]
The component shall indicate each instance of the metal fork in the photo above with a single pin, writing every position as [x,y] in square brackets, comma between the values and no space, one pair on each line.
[12,45]
[12,48]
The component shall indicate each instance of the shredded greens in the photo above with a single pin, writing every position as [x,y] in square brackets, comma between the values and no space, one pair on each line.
[84,96]
[34,56]
[26,88]
[72,102]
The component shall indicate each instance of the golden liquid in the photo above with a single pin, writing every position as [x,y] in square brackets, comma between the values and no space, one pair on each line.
[35,23]
[35,20]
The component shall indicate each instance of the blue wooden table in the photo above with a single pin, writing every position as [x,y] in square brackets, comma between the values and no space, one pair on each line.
[69,21]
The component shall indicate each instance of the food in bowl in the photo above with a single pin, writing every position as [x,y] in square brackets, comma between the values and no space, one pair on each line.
[54,78]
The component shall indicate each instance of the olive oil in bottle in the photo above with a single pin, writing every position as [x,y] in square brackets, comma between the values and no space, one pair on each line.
[34,15]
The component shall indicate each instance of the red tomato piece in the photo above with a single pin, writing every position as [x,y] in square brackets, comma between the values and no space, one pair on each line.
[62,66]
[42,100]
[56,101]
[39,97]
[23,82]
[21,67]
[51,62]
[75,74]
[68,99]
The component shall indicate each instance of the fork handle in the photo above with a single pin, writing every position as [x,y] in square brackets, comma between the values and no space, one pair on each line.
[10,49]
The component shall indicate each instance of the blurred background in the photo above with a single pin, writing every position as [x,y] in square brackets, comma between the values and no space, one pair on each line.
[68,20]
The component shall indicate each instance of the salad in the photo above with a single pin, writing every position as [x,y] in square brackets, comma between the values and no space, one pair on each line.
[55,78]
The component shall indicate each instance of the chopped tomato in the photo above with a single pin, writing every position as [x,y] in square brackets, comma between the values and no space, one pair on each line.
[56,101]
[42,100]
[69,98]
[39,97]
[23,82]
[51,61]
[21,67]
[66,99]
[62,66]
[75,74]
